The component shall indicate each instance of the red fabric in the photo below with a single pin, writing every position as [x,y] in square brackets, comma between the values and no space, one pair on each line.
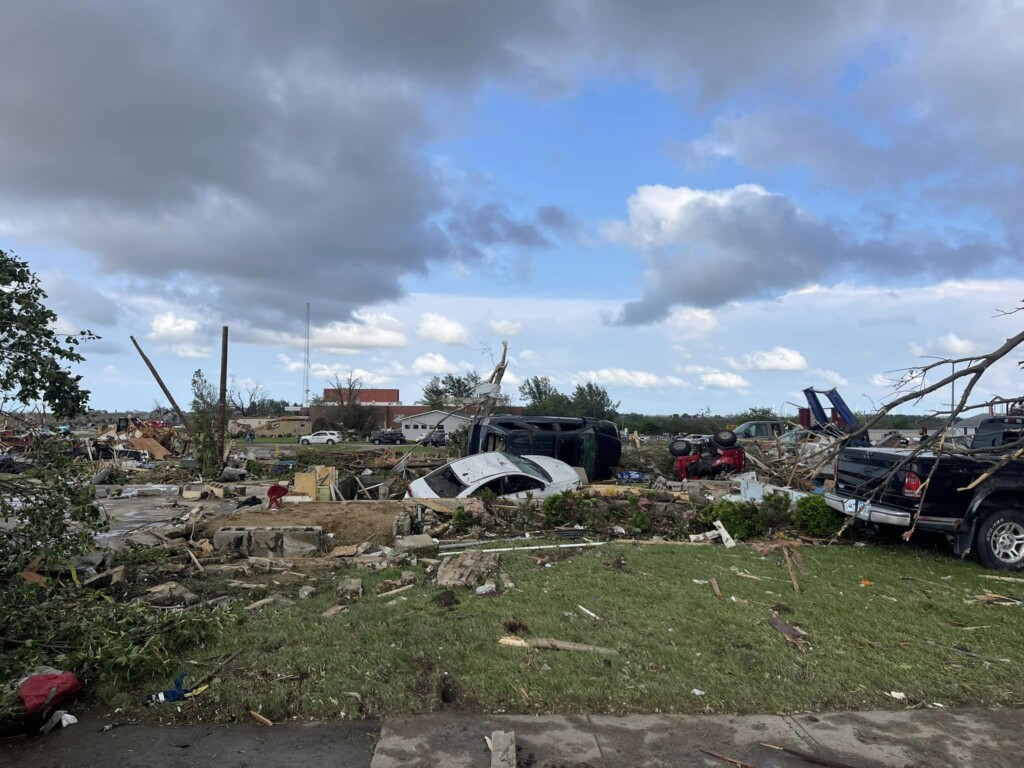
[36,690]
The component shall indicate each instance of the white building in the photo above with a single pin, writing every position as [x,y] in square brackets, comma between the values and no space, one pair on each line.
[419,424]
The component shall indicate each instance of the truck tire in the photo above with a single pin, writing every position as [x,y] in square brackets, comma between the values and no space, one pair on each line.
[1001,540]
[724,438]
[305,442]
[680,447]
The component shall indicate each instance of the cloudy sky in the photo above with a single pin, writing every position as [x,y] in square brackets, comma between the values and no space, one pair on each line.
[695,205]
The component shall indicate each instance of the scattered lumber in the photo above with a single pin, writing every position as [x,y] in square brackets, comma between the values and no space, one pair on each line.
[547,643]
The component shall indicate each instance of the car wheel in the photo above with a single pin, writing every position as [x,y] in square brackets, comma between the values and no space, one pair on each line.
[330,442]
[1001,540]
[305,442]
[680,447]
[376,442]
[725,438]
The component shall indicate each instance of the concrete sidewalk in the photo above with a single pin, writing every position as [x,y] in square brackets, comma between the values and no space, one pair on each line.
[933,738]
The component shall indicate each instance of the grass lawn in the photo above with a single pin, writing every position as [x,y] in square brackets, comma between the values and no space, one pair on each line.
[671,636]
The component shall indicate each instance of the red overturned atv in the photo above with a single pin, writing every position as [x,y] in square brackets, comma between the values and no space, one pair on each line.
[718,454]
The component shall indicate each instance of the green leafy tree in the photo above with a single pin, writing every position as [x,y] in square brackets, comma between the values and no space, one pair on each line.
[593,400]
[460,387]
[49,509]
[433,394]
[34,359]
[536,389]
[205,419]
[555,404]
[757,413]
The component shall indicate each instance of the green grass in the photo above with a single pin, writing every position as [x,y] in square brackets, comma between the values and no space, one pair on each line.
[671,636]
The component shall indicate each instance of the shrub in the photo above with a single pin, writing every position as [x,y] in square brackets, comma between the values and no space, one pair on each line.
[815,518]
[777,509]
[742,519]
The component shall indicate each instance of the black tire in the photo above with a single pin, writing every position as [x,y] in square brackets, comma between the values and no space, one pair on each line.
[996,534]
[329,442]
[680,447]
[305,442]
[724,438]
[376,442]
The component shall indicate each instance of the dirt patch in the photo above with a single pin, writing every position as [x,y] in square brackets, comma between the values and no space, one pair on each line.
[619,564]
[781,609]
[446,599]
[515,626]
[351,522]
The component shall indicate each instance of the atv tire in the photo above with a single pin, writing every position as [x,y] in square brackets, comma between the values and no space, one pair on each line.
[724,438]
[680,447]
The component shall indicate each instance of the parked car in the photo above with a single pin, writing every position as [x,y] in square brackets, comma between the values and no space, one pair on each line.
[393,436]
[881,486]
[593,444]
[503,474]
[436,439]
[324,437]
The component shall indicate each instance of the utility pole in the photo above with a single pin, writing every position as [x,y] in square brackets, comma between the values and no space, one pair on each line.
[222,432]
[163,387]
[305,364]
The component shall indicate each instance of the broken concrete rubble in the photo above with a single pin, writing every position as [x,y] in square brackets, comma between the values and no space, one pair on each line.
[419,545]
[283,541]
[466,569]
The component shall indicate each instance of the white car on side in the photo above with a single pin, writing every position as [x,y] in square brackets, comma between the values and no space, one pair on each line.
[324,437]
[504,474]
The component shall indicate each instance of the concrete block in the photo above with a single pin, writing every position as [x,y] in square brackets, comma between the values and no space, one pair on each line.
[420,545]
[230,539]
[264,542]
[350,589]
[302,541]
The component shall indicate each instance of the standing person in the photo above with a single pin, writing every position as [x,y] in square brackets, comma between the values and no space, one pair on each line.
[923,435]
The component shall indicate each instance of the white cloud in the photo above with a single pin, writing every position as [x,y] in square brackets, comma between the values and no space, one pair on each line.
[528,354]
[367,330]
[190,351]
[949,345]
[878,380]
[776,359]
[506,328]
[620,377]
[432,363]
[111,370]
[829,378]
[723,380]
[330,371]
[167,326]
[442,329]
[690,323]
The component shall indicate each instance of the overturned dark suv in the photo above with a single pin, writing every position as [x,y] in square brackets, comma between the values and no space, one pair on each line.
[593,444]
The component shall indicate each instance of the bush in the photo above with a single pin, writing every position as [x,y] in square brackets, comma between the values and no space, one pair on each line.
[777,509]
[742,519]
[815,518]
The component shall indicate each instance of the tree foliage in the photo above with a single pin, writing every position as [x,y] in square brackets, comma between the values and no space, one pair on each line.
[205,419]
[34,358]
[536,390]
[351,414]
[251,399]
[434,395]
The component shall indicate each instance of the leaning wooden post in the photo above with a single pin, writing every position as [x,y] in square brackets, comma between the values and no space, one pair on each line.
[167,393]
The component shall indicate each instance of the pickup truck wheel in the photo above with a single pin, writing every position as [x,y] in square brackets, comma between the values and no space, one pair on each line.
[1001,540]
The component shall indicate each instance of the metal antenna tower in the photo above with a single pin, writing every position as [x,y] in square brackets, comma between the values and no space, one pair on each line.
[305,364]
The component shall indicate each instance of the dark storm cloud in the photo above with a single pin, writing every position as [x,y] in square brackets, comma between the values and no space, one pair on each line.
[706,249]
[253,154]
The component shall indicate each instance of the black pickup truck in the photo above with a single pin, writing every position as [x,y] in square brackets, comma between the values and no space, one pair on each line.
[988,519]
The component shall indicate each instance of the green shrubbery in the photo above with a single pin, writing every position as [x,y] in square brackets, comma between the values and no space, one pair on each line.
[742,519]
[814,517]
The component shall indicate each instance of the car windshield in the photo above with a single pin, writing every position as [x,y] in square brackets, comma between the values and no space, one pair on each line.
[444,483]
[528,467]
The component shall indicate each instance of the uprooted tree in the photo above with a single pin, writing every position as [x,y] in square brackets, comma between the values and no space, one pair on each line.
[914,383]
